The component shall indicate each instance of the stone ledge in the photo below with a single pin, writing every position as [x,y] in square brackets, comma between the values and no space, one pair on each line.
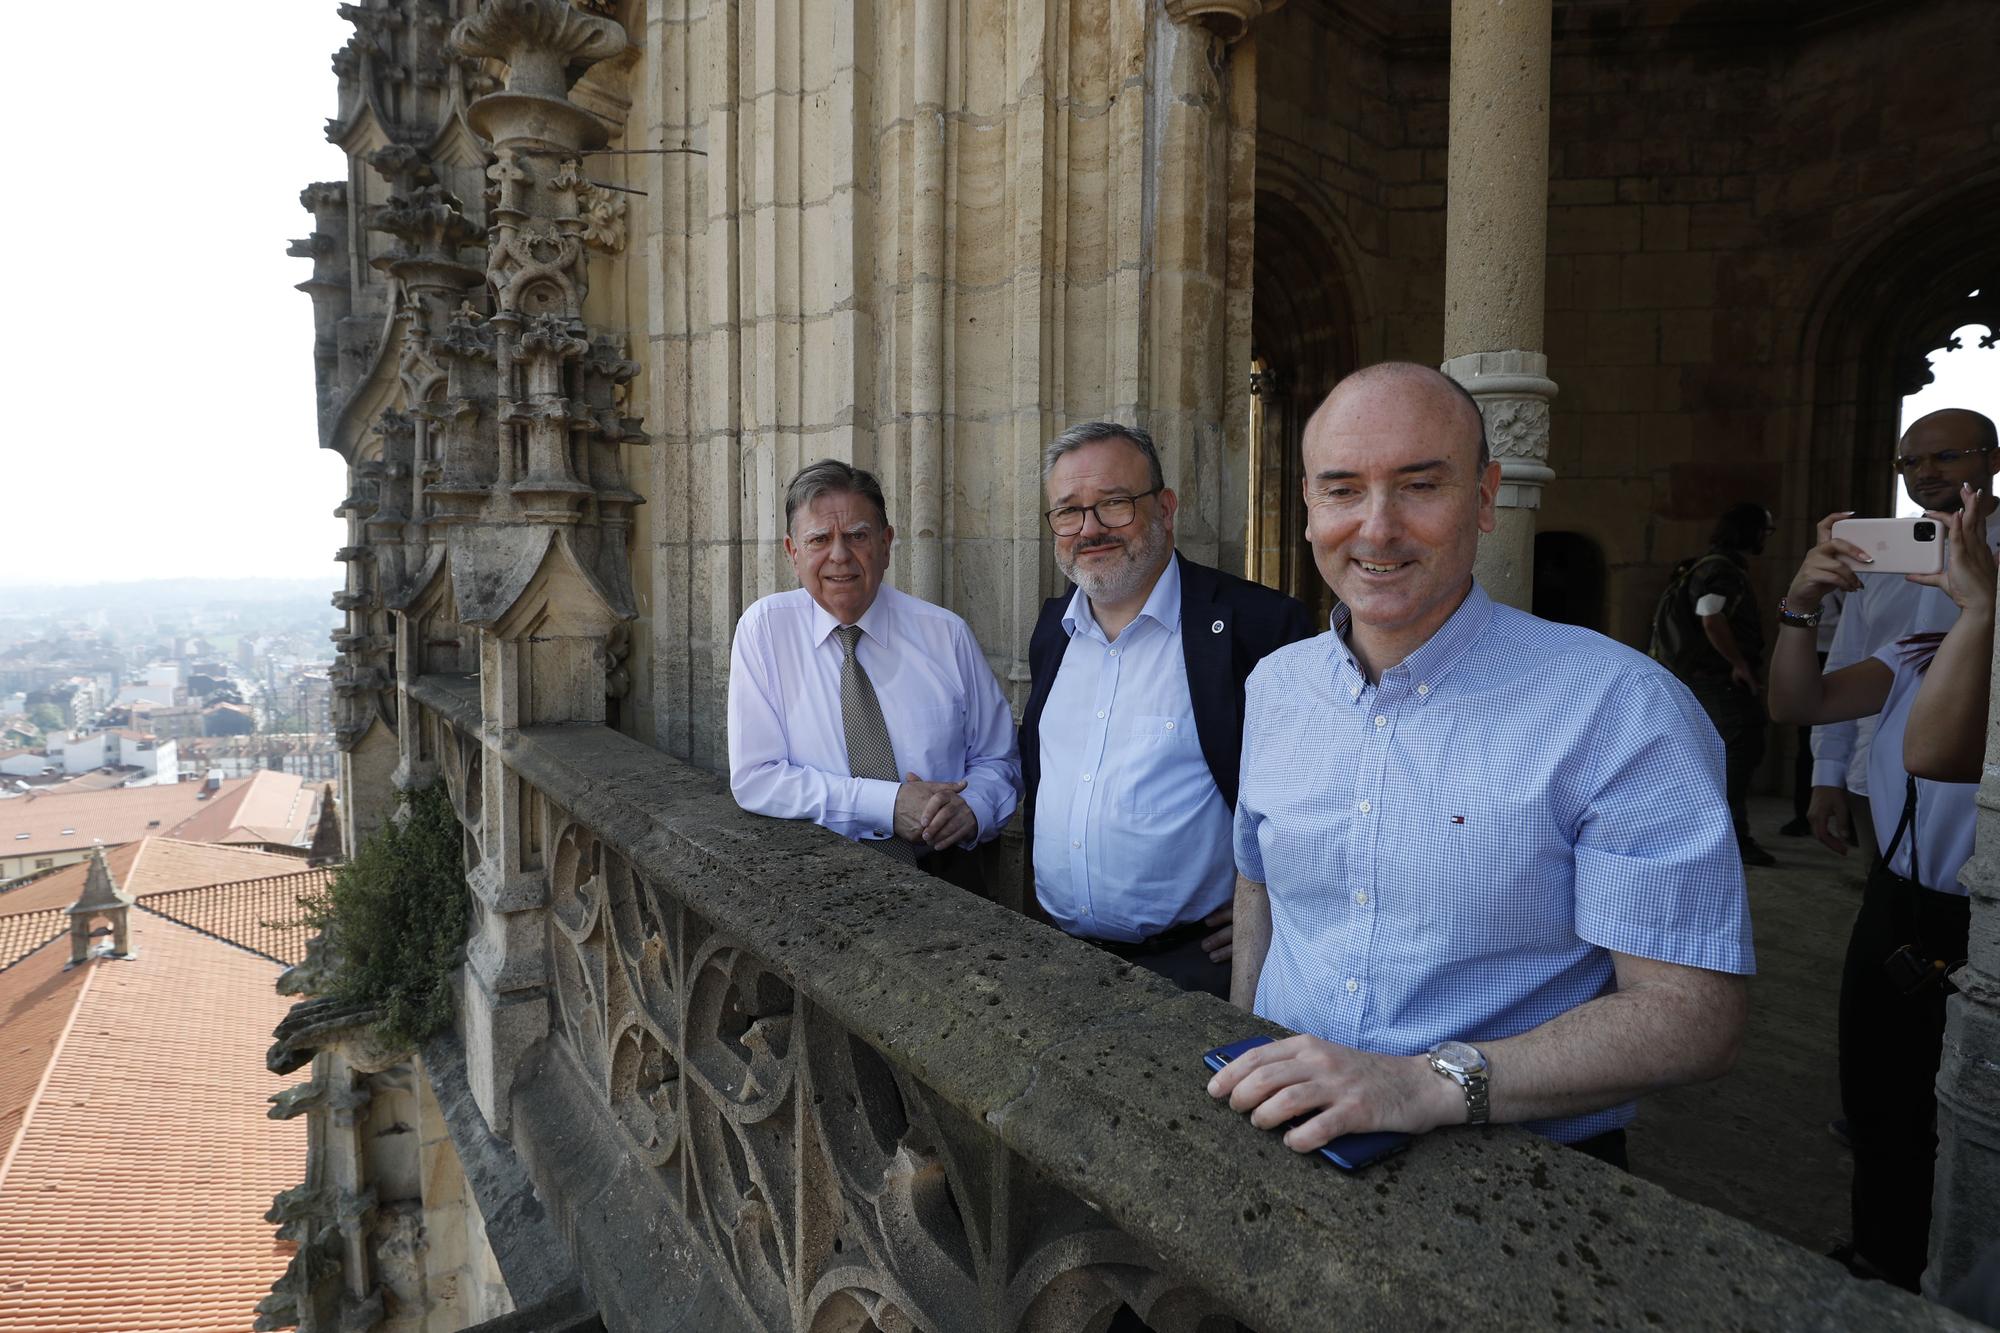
[1090,1070]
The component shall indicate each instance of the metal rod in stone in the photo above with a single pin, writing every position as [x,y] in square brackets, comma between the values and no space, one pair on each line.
[629,152]
[622,189]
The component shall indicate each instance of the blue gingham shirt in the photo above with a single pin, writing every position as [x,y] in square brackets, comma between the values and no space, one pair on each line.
[1454,852]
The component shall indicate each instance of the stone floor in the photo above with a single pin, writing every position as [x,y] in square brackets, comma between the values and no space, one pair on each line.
[1755,1144]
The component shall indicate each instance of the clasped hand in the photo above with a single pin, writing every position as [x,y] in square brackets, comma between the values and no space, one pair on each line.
[933,813]
[1343,1090]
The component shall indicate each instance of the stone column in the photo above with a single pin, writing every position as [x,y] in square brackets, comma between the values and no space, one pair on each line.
[1965,1207]
[1496,246]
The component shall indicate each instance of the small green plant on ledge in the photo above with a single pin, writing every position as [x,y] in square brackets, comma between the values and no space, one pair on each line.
[396,916]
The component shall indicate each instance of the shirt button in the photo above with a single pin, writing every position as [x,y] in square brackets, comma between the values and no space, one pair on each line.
[1423,689]
[1354,691]
[1352,985]
[1086,777]
[1100,713]
[1381,721]
[1170,726]
[1364,806]
[1360,898]
[1074,843]
[1114,652]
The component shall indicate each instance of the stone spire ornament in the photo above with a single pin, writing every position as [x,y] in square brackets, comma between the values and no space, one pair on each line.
[103,897]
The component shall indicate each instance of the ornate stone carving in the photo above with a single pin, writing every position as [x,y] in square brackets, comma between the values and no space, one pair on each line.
[821,1179]
[1513,391]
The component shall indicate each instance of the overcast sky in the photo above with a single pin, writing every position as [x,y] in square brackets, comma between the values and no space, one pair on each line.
[162,372]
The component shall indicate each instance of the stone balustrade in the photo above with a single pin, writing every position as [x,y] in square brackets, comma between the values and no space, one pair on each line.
[789,1084]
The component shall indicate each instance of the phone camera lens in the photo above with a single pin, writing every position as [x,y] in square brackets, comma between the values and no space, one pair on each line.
[1926,531]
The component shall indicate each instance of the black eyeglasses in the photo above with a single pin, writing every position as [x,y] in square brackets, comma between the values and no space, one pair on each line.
[1943,458]
[1116,512]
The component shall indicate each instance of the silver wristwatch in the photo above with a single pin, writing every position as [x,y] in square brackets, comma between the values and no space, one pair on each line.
[1465,1066]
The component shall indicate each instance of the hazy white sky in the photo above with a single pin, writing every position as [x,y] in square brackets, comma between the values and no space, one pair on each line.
[1968,376]
[162,363]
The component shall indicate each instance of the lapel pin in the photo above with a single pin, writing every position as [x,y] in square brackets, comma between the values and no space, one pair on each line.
[1216,628]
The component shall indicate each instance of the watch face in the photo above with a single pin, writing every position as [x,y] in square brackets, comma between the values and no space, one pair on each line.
[1461,1057]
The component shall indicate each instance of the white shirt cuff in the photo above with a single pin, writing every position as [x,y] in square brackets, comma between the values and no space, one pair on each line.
[875,804]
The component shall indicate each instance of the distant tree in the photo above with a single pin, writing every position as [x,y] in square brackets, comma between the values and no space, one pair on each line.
[46,716]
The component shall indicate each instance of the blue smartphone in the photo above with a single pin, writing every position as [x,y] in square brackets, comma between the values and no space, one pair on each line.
[1349,1152]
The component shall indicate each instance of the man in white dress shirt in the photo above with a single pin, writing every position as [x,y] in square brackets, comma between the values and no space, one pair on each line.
[1939,452]
[866,710]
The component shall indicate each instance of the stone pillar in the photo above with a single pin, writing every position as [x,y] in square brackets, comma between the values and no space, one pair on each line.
[1496,243]
[532,495]
[1965,1207]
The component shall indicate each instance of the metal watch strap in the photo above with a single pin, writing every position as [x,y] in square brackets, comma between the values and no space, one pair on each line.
[1475,1099]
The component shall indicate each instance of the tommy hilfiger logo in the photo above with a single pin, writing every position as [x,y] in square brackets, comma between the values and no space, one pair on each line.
[1458,819]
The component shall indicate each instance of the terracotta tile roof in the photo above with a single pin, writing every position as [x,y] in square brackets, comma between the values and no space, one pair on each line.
[165,1051]
[147,867]
[258,914]
[36,1000]
[280,806]
[274,803]
[22,934]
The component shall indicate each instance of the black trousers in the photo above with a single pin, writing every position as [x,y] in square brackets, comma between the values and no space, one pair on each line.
[1740,720]
[1889,1047]
[1178,956]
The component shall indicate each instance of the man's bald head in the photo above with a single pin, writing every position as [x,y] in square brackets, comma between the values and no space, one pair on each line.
[1976,428]
[1420,383]
[1944,450]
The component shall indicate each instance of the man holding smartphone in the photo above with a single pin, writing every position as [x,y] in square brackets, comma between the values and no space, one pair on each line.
[1452,873]
[1940,452]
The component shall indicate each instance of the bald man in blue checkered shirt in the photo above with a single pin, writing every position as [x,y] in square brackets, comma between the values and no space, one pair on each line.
[1484,861]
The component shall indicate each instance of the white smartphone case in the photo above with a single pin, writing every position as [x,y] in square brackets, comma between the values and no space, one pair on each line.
[1898,544]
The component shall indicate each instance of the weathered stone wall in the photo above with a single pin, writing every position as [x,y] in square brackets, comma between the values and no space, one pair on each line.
[923,236]
[1712,175]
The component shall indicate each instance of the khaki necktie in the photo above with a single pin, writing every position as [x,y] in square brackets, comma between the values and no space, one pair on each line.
[869,753]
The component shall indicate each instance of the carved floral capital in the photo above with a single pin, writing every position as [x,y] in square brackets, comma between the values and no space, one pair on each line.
[1227,19]
[539,40]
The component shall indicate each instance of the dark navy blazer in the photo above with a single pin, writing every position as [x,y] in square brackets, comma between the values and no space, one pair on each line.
[1255,620]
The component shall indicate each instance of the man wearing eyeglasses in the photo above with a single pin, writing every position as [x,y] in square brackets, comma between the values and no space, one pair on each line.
[866,710]
[1938,453]
[1132,735]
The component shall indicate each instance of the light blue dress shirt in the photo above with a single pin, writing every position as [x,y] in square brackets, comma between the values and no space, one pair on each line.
[946,715]
[1452,852]
[1131,834]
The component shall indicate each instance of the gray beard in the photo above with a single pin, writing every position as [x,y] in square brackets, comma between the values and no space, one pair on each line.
[1143,555]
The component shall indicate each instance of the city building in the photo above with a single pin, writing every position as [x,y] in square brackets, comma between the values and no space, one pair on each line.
[313,757]
[600,277]
[271,811]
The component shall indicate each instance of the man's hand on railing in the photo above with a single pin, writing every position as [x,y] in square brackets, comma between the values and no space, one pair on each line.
[1343,1090]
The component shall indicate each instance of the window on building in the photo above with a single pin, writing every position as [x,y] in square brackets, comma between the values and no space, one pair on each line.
[45,862]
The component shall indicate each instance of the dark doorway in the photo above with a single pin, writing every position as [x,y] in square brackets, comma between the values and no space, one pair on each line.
[1302,342]
[1569,579]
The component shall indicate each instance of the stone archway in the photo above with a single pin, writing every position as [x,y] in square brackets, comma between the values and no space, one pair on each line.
[1302,341]
[1879,316]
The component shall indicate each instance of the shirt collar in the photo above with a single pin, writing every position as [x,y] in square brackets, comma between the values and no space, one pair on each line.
[874,621]
[1163,605]
[1429,664]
